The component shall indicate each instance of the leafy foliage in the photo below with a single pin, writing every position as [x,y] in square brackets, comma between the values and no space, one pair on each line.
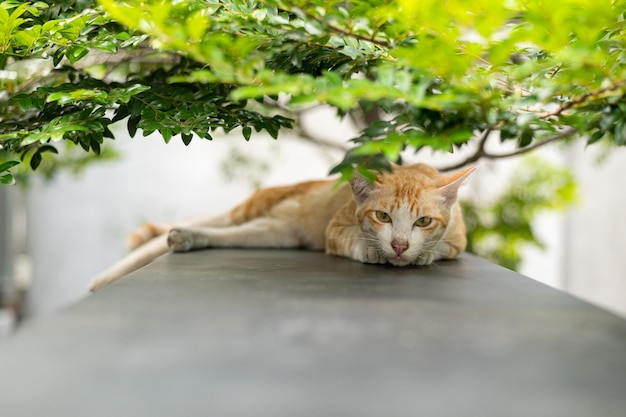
[436,74]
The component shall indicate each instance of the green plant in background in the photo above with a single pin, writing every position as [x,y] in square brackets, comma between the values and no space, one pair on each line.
[500,230]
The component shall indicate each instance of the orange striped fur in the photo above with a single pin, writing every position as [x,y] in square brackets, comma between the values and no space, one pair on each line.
[407,217]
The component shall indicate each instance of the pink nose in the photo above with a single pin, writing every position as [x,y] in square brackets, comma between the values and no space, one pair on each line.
[399,246]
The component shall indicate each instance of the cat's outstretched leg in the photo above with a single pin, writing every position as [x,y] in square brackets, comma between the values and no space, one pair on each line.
[148,231]
[262,232]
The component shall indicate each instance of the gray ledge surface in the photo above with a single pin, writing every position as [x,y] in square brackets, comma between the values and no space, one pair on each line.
[292,333]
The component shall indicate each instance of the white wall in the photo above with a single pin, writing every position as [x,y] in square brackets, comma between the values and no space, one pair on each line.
[595,240]
[77,227]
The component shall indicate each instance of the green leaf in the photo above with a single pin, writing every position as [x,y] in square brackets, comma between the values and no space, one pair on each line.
[5,166]
[247,131]
[595,137]
[186,138]
[95,146]
[48,148]
[132,124]
[35,160]
[619,133]
[75,52]
[58,55]
[7,179]
[526,138]
[166,133]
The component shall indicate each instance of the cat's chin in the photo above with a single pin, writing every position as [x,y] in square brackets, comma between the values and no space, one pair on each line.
[399,261]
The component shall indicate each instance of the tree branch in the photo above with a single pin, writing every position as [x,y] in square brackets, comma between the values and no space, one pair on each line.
[304,135]
[482,154]
[476,156]
[582,99]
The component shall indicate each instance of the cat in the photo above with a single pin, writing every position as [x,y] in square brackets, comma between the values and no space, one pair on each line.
[409,216]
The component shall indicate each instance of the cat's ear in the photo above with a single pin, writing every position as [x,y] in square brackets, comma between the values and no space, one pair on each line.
[361,188]
[448,185]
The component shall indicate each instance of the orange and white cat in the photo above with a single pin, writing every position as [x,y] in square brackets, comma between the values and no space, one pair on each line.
[407,217]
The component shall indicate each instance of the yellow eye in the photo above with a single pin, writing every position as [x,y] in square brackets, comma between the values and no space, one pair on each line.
[383,217]
[423,221]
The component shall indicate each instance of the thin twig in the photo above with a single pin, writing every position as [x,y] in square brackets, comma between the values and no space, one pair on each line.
[561,135]
[582,99]
[302,134]
[476,156]
[482,154]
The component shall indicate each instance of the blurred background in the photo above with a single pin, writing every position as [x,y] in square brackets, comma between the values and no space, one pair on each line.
[57,234]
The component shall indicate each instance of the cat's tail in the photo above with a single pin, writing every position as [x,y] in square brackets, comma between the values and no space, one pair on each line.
[136,259]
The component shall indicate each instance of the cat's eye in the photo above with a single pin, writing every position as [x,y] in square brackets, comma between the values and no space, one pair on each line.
[383,217]
[423,221]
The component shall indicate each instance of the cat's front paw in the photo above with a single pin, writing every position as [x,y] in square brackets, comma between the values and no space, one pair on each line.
[425,259]
[366,254]
[375,256]
[179,240]
[372,256]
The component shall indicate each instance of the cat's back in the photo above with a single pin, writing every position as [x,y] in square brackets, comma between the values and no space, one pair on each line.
[304,195]
[303,209]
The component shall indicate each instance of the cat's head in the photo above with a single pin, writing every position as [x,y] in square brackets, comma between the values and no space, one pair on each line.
[404,213]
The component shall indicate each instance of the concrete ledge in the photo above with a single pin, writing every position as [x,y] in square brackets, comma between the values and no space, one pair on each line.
[289,333]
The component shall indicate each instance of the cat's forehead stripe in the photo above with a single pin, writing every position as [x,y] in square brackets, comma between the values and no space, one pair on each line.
[407,204]
[408,195]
